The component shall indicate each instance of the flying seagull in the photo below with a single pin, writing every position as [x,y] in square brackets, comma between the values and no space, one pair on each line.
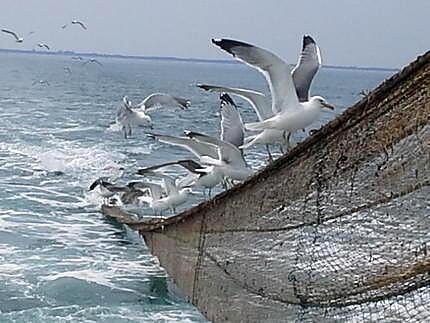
[67,69]
[75,22]
[107,189]
[91,60]
[17,38]
[43,45]
[291,114]
[41,82]
[129,115]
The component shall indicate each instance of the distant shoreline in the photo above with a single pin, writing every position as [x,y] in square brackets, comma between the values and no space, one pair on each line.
[171,58]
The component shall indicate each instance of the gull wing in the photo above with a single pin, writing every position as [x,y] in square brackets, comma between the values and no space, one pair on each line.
[274,69]
[225,150]
[156,190]
[10,32]
[188,164]
[159,100]
[195,147]
[306,68]
[259,102]
[169,184]
[232,129]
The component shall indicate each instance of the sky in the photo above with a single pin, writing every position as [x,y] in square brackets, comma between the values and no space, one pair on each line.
[376,33]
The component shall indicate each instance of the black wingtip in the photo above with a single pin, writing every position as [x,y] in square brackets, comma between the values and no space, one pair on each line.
[94,184]
[226,99]
[307,40]
[192,134]
[229,44]
[203,86]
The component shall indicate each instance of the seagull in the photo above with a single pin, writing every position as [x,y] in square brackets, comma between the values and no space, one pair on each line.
[129,115]
[79,58]
[291,114]
[91,60]
[303,73]
[80,23]
[222,154]
[262,107]
[67,69]
[107,189]
[10,32]
[75,22]
[41,82]
[166,196]
[43,45]
[200,175]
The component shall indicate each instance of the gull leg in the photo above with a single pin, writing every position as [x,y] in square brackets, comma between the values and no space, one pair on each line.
[129,130]
[269,154]
[210,192]
[281,149]
[287,139]
[124,130]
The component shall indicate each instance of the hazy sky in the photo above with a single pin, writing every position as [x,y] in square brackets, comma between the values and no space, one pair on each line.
[386,33]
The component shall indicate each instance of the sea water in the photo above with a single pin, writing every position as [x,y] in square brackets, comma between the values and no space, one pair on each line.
[61,260]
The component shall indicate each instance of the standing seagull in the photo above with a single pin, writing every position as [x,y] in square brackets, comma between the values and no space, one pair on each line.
[307,66]
[166,196]
[129,115]
[10,32]
[200,176]
[291,114]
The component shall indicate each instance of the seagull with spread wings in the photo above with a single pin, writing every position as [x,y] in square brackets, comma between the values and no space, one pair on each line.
[75,22]
[18,38]
[129,116]
[303,73]
[290,114]
[221,157]
[43,45]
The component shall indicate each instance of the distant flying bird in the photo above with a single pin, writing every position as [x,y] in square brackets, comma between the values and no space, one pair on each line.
[17,38]
[80,23]
[41,82]
[92,60]
[43,45]
[68,70]
[76,22]
[79,58]
[31,33]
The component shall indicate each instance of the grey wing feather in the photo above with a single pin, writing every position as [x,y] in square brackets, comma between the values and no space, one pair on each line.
[232,129]
[10,32]
[306,68]
[159,100]
[197,148]
[228,151]
[276,71]
[259,102]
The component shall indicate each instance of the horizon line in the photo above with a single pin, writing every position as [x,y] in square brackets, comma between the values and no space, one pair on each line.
[171,58]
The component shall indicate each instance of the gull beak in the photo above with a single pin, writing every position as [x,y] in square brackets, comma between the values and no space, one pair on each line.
[327,105]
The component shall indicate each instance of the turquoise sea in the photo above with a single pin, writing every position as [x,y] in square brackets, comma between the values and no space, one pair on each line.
[61,260]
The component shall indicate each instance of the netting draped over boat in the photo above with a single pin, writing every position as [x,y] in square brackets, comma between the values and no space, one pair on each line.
[339,229]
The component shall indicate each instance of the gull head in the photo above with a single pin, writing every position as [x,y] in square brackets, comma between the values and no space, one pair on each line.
[321,102]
